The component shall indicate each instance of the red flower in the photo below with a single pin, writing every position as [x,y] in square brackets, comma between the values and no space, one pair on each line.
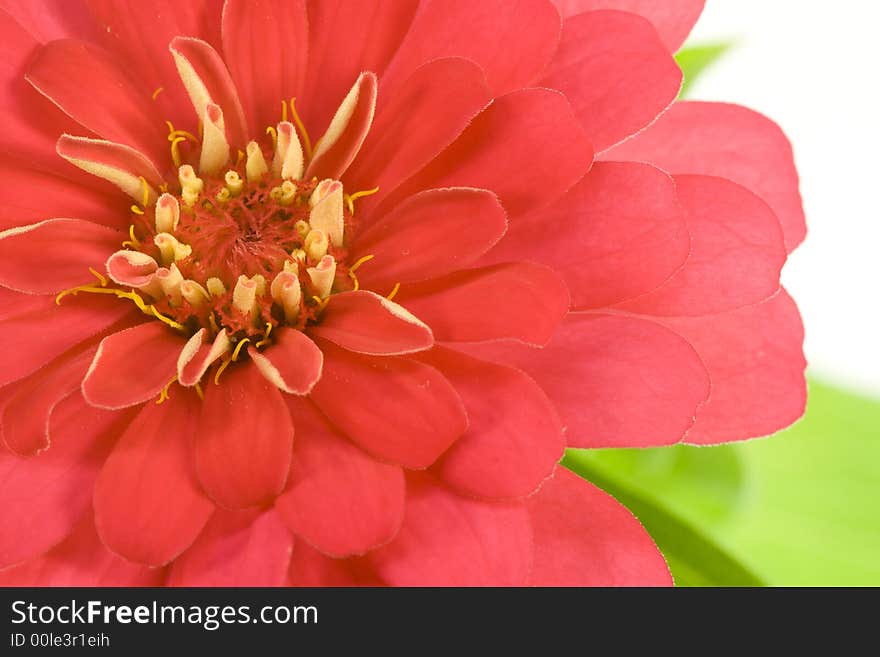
[358,360]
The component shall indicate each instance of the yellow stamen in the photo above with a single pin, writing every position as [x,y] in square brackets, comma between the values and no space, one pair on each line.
[102,279]
[283,111]
[266,335]
[164,394]
[199,392]
[238,347]
[220,369]
[393,292]
[175,150]
[166,320]
[322,303]
[145,198]
[213,323]
[157,92]
[174,134]
[359,262]
[307,143]
[354,280]
[134,242]
[271,131]
[137,210]
[351,198]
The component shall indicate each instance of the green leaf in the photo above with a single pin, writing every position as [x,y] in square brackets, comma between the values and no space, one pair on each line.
[693,558]
[693,60]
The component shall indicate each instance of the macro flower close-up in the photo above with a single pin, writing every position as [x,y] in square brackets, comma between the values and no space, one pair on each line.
[318,292]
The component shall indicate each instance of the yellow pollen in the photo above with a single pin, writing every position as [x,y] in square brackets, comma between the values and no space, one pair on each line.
[164,394]
[156,93]
[307,143]
[393,292]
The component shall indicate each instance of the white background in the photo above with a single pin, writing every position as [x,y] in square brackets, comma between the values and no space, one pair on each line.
[814,67]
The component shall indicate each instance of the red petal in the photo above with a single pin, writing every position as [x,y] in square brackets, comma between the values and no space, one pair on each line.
[616,72]
[521,301]
[236,548]
[756,363]
[338,498]
[428,235]
[293,362]
[371,324]
[584,537]
[736,252]
[448,540]
[335,151]
[48,20]
[244,439]
[72,74]
[618,233]
[197,356]
[54,255]
[132,366]
[42,497]
[81,560]
[514,436]
[417,121]
[26,416]
[398,409]
[617,381]
[346,38]
[731,142]
[308,567]
[264,81]
[527,147]
[219,88]
[30,195]
[140,33]
[148,506]
[673,19]
[60,328]
[511,41]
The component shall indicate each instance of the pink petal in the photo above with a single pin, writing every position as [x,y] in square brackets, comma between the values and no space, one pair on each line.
[293,362]
[400,410]
[60,327]
[244,439]
[430,234]
[26,416]
[602,546]
[132,366]
[756,363]
[42,497]
[72,74]
[514,436]
[371,324]
[673,19]
[197,356]
[448,540]
[308,567]
[736,255]
[345,39]
[264,81]
[527,147]
[617,381]
[338,498]
[236,548]
[511,41]
[417,121]
[519,301]
[211,76]
[616,72]
[139,32]
[31,195]
[335,151]
[148,506]
[13,304]
[81,560]
[728,141]
[618,233]
[53,255]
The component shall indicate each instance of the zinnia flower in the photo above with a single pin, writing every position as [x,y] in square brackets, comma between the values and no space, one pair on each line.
[236,355]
